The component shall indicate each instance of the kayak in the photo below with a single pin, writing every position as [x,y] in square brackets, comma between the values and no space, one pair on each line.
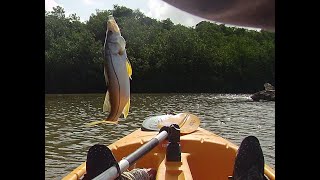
[204,155]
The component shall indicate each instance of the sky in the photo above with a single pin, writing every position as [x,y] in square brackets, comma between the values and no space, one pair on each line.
[156,9]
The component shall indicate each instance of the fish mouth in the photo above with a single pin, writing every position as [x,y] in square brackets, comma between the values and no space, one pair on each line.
[112,25]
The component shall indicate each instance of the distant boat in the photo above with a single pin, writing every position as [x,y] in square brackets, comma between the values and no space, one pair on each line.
[268,94]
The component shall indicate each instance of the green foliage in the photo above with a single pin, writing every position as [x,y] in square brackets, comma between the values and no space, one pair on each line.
[165,57]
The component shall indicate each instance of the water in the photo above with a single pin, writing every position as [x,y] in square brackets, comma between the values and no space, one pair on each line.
[67,140]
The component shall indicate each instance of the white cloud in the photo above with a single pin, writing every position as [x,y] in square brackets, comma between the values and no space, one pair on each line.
[157,9]
[92,2]
[89,2]
[160,10]
[49,4]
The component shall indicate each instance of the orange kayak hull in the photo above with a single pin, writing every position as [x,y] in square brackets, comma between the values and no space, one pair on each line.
[204,155]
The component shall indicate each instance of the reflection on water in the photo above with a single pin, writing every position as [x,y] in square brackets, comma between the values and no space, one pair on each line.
[67,139]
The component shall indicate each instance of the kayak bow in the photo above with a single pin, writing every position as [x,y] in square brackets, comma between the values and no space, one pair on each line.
[204,155]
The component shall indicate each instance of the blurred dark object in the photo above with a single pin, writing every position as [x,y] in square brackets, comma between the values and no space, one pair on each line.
[248,13]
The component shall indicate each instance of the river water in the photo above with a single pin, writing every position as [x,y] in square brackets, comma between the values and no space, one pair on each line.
[232,116]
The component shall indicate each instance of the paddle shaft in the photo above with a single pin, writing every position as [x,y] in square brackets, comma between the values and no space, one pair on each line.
[125,163]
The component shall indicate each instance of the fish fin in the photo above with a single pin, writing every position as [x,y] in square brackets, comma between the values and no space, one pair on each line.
[122,45]
[125,111]
[105,74]
[106,104]
[129,68]
[100,122]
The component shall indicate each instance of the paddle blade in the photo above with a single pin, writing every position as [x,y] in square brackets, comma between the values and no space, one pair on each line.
[190,124]
[186,121]
[151,123]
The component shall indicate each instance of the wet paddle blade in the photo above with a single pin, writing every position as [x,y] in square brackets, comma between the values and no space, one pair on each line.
[186,121]
[151,123]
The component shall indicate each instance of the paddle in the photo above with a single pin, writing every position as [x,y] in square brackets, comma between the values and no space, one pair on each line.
[187,122]
[113,172]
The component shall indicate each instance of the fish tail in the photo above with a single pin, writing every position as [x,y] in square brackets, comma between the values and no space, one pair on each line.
[106,104]
[100,122]
[125,111]
[129,68]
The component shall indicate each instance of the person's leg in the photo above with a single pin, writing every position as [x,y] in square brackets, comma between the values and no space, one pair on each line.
[99,159]
[249,162]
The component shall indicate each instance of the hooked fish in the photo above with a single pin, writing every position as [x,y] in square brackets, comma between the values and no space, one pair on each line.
[117,72]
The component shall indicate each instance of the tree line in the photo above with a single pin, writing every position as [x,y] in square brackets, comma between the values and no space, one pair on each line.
[165,57]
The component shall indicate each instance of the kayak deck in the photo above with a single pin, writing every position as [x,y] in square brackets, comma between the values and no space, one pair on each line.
[204,155]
